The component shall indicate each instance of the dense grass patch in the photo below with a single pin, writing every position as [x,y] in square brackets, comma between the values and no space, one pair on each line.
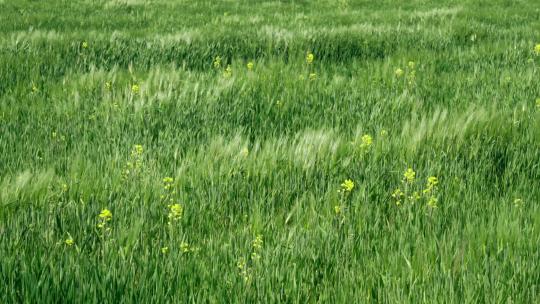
[270,151]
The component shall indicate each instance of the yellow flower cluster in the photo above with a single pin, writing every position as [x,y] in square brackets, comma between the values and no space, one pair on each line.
[135,89]
[184,247]
[432,202]
[246,266]
[137,150]
[134,163]
[105,216]
[175,213]
[244,269]
[366,142]
[410,73]
[398,195]
[338,209]
[518,203]
[217,62]
[257,246]
[411,76]
[409,175]
[432,183]
[537,49]
[69,241]
[310,58]
[347,186]
[413,193]
[167,181]
[228,71]
[258,242]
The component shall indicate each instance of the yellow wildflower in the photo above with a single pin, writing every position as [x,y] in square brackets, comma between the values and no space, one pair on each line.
[250,66]
[367,141]
[432,202]
[337,209]
[167,181]
[258,242]
[105,215]
[537,49]
[69,241]
[309,58]
[399,72]
[312,76]
[175,212]
[137,149]
[409,175]
[184,247]
[244,269]
[347,185]
[135,89]
[432,183]
[241,264]
[135,161]
[164,250]
[411,65]
[397,193]
[518,203]
[228,71]
[84,45]
[255,256]
[217,62]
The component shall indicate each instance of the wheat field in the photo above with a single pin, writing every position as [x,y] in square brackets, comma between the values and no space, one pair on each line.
[293,151]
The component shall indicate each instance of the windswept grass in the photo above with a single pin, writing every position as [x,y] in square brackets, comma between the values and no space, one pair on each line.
[343,151]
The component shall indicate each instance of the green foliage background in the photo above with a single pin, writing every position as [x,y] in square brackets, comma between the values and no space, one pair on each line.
[263,152]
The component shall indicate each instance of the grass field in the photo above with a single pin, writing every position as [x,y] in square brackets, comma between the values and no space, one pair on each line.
[347,151]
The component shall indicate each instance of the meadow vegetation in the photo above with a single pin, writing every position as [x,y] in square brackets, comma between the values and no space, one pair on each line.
[348,151]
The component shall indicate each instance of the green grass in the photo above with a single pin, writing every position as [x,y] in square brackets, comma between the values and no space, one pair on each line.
[261,154]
